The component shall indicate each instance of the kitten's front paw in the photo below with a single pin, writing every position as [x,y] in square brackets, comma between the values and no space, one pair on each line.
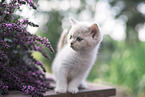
[73,90]
[60,90]
[83,85]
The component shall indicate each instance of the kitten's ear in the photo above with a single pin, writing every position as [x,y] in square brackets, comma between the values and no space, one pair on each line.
[94,30]
[73,21]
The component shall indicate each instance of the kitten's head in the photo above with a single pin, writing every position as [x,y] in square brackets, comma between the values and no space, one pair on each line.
[83,36]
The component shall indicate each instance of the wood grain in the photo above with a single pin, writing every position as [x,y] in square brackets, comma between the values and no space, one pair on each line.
[94,90]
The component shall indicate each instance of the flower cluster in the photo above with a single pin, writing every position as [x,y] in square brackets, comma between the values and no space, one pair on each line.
[18,69]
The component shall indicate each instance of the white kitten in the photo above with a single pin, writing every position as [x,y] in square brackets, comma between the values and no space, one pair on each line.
[75,57]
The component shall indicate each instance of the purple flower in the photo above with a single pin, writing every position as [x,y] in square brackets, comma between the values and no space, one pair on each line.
[37,48]
[4,88]
[19,70]
[32,4]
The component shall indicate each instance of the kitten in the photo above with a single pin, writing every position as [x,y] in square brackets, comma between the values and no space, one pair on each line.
[75,57]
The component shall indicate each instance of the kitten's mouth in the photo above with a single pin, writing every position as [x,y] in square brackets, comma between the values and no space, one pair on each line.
[73,47]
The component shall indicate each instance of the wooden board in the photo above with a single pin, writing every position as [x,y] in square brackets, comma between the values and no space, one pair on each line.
[94,90]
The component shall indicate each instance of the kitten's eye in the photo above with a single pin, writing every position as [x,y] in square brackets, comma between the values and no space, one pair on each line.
[79,39]
[70,37]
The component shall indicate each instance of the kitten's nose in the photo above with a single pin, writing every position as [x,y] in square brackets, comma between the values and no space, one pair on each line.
[71,43]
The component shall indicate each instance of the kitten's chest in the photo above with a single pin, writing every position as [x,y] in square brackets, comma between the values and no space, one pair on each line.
[78,62]
[77,65]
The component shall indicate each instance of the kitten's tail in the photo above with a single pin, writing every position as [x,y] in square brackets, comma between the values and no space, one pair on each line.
[63,40]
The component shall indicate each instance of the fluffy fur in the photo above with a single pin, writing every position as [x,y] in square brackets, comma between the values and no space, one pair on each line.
[76,57]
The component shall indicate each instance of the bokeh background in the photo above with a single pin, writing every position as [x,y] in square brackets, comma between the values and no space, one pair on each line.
[121,57]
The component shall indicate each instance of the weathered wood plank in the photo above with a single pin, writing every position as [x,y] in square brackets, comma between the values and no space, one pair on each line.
[94,90]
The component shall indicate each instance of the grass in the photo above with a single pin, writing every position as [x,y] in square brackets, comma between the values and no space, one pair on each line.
[126,67]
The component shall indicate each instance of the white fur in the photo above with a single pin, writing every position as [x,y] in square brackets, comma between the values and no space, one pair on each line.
[72,66]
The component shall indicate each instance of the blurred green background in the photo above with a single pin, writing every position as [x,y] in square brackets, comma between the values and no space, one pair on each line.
[121,57]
